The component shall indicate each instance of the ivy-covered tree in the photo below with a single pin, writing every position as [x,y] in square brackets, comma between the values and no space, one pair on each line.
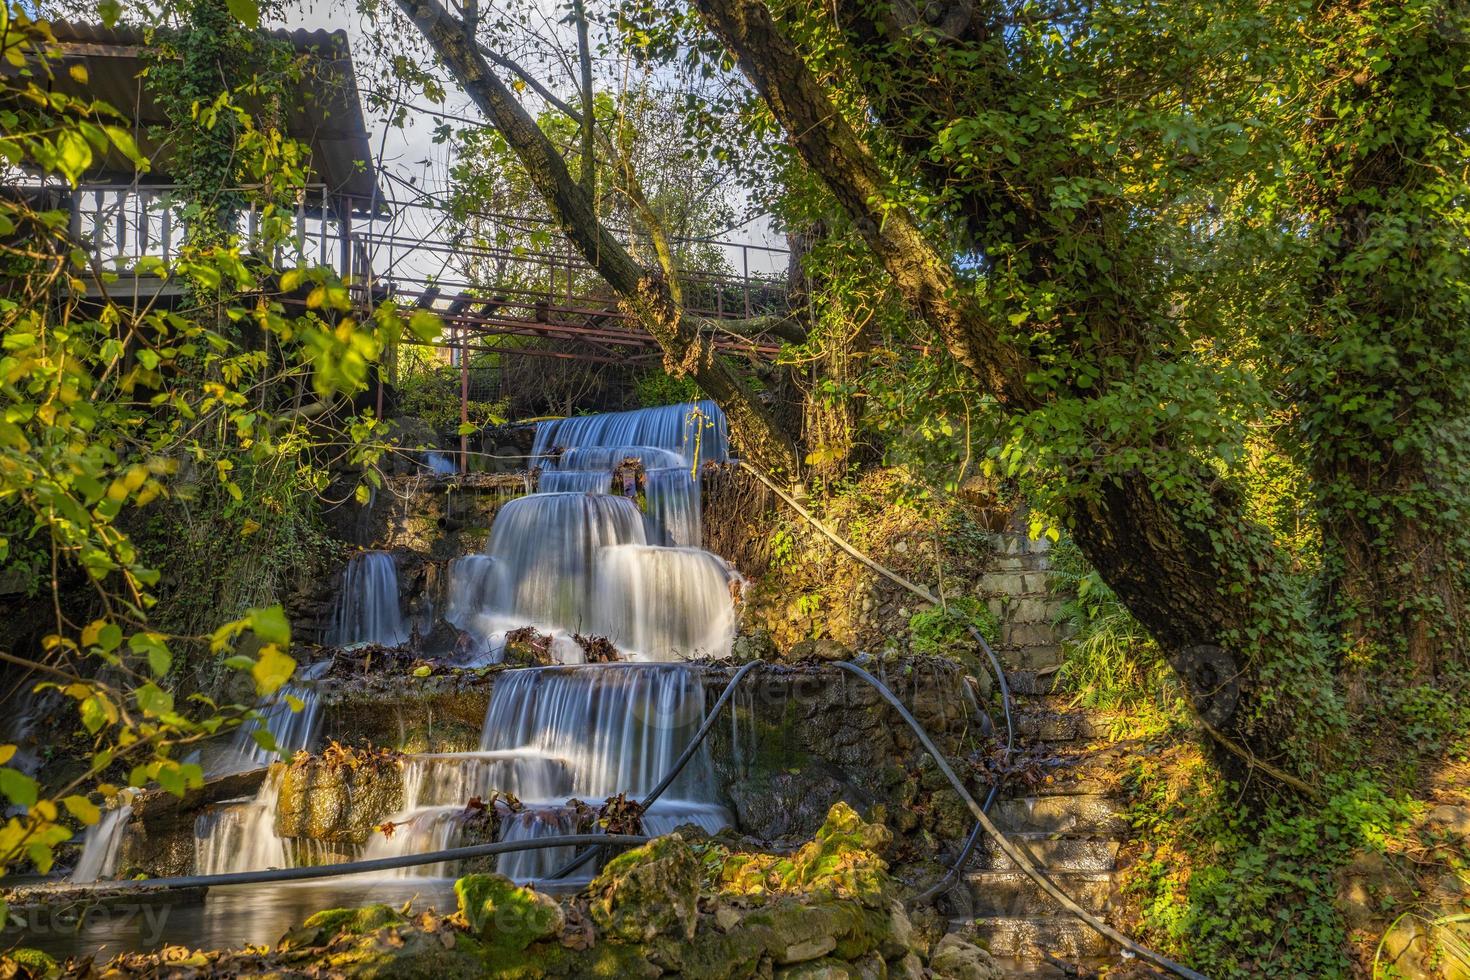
[1146,234]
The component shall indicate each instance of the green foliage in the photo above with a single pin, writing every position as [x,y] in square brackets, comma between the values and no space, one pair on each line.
[1110,660]
[941,630]
[430,390]
[657,387]
[112,413]
[1239,897]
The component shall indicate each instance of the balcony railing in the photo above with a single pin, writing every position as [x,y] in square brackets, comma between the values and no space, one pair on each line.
[123,224]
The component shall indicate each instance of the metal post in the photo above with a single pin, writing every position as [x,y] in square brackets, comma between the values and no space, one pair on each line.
[464,399]
[745,261]
[344,224]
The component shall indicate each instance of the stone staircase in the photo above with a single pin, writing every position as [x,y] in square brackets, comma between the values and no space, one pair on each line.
[1073,828]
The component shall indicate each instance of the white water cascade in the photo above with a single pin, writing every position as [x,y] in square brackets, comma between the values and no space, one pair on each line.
[293,729]
[553,735]
[367,606]
[579,556]
[100,846]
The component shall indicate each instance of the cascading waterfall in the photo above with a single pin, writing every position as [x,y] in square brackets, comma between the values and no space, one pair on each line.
[367,606]
[591,552]
[240,835]
[633,580]
[100,846]
[618,728]
[696,431]
[293,730]
[581,556]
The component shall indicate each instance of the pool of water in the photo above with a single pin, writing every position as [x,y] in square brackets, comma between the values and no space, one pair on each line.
[233,916]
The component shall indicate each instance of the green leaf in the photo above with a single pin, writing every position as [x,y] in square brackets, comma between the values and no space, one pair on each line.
[270,624]
[424,325]
[154,700]
[246,12]
[73,155]
[159,657]
[19,788]
[123,140]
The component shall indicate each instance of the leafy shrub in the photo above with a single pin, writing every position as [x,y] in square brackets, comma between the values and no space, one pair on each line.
[1111,661]
[943,629]
[659,387]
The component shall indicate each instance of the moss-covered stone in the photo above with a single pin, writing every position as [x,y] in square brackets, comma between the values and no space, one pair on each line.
[841,861]
[506,917]
[330,923]
[649,891]
[337,802]
[355,922]
[28,963]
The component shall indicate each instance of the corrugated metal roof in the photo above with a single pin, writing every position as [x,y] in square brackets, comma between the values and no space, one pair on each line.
[328,116]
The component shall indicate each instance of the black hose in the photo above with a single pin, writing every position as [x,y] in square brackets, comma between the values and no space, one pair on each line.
[976,832]
[1016,854]
[359,867]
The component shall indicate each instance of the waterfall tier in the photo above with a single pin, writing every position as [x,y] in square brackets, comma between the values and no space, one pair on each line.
[367,607]
[696,431]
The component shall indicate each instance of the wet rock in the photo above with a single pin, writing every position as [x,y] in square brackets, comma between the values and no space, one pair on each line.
[649,891]
[823,649]
[338,802]
[779,805]
[756,645]
[159,838]
[955,959]
[432,714]
[446,641]
[326,924]
[820,970]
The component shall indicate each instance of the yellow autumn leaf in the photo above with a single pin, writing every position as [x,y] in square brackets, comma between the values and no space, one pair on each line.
[272,669]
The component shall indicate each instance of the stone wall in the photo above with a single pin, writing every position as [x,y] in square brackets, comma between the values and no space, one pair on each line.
[439,516]
[797,739]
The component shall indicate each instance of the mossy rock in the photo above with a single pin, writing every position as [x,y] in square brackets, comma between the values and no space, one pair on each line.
[28,963]
[336,802]
[322,927]
[406,954]
[840,861]
[505,916]
[649,891]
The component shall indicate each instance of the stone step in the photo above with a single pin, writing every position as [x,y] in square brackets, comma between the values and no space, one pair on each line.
[1052,853]
[1031,682]
[1046,726]
[1027,968]
[1013,893]
[1075,813]
[1026,937]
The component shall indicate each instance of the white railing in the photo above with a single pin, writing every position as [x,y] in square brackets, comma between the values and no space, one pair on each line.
[122,224]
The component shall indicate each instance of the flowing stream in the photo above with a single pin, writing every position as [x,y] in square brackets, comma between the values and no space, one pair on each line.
[608,546]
